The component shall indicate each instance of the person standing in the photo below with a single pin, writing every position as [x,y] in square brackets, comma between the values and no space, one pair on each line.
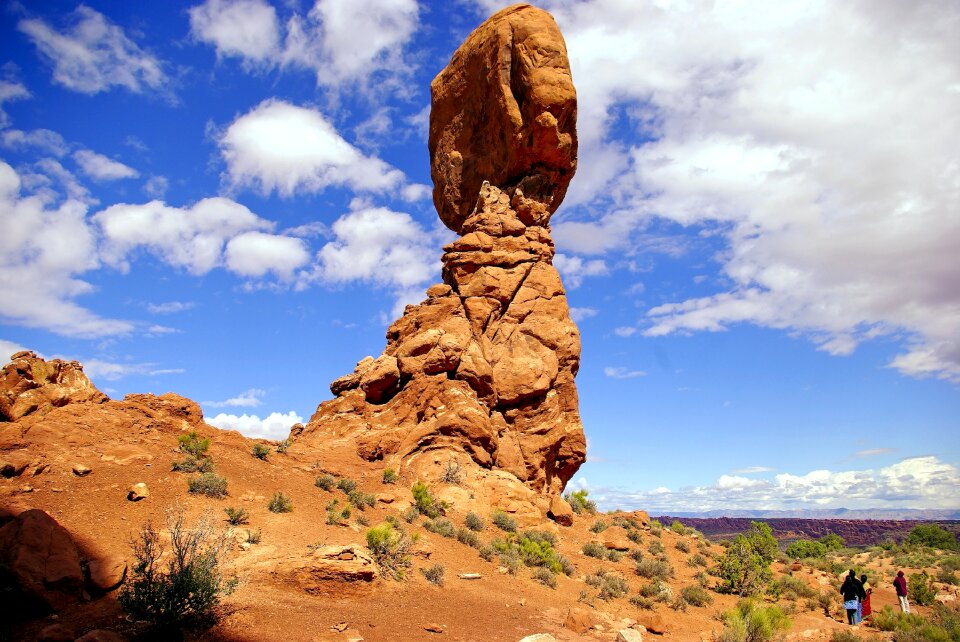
[865,608]
[901,585]
[852,592]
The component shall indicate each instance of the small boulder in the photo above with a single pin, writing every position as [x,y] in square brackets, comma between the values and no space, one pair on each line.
[433,628]
[579,621]
[653,622]
[539,637]
[55,633]
[137,492]
[560,511]
[347,563]
[470,576]
[629,635]
[81,471]
[107,573]
[617,544]
[380,381]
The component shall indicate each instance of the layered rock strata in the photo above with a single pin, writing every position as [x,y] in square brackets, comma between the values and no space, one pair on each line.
[486,364]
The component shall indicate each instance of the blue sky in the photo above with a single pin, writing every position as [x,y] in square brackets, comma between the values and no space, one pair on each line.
[231,200]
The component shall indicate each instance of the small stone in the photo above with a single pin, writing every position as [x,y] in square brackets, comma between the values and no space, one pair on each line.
[470,576]
[244,546]
[539,637]
[629,635]
[81,471]
[26,489]
[107,573]
[433,628]
[340,628]
[137,492]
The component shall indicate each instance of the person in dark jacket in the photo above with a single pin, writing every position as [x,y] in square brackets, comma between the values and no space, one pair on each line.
[852,591]
[901,585]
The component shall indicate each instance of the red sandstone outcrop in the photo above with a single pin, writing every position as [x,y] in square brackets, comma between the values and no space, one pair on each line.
[29,384]
[486,364]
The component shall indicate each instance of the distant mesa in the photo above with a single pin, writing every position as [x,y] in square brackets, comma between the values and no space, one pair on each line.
[485,365]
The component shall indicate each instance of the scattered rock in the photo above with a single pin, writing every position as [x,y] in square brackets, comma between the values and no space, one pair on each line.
[137,492]
[107,573]
[340,628]
[579,620]
[10,469]
[348,563]
[29,384]
[81,471]
[26,488]
[653,622]
[629,635]
[470,576]
[539,637]
[560,511]
[433,628]
[617,544]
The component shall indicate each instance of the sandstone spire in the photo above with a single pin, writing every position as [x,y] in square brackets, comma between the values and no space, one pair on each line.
[486,364]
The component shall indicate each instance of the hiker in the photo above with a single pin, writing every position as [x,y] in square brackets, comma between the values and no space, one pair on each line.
[865,609]
[901,585]
[852,591]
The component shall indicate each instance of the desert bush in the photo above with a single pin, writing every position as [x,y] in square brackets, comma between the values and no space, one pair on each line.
[209,484]
[236,516]
[260,451]
[921,589]
[434,574]
[702,579]
[682,546]
[390,548]
[361,500]
[614,556]
[656,528]
[678,528]
[362,520]
[579,503]
[468,537]
[933,536]
[545,576]
[744,568]
[595,549]
[843,635]
[656,548]
[452,474]
[832,542]
[191,464]
[612,587]
[440,526]
[193,444]
[347,485]
[947,577]
[503,521]
[642,602]
[950,563]
[696,596]
[410,514]
[697,560]
[325,482]
[825,600]
[804,548]
[474,522]
[284,446]
[679,603]
[636,555]
[336,514]
[487,553]
[598,526]
[390,476]
[752,623]
[635,536]
[654,569]
[254,536]
[425,502]
[188,583]
[280,503]
[791,588]
[509,559]
[888,619]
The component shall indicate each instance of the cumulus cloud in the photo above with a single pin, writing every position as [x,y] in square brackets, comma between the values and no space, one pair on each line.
[916,482]
[93,54]
[285,148]
[619,372]
[580,314]
[8,349]
[43,250]
[248,399]
[170,307]
[752,470]
[806,136]
[100,168]
[574,269]
[43,140]
[274,426]
[112,371]
[256,253]
[10,90]
[324,40]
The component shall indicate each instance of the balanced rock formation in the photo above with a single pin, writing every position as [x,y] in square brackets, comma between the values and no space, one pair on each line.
[486,364]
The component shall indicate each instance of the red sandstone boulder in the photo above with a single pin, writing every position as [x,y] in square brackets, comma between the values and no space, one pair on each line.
[560,511]
[42,558]
[29,384]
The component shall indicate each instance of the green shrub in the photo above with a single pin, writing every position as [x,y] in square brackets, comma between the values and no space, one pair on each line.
[921,589]
[612,587]
[474,522]
[791,587]
[752,623]
[696,596]
[697,560]
[642,602]
[744,568]
[253,536]
[236,516]
[452,473]
[390,549]
[682,546]
[804,548]
[598,526]
[410,514]
[191,464]
[635,537]
[947,577]
[503,521]
[193,444]
[284,446]
[832,542]
[360,499]
[260,451]
[487,553]
[595,549]
[579,503]
[434,574]
[656,528]
[440,526]
[679,603]
[654,569]
[280,503]
[209,484]
[545,576]
[655,548]
[325,482]
[362,520]
[390,476]
[335,514]
[636,555]
[933,536]
[468,537]
[170,589]
[347,485]
[678,528]
[424,501]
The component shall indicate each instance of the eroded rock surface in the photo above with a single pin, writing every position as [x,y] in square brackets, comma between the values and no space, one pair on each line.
[29,384]
[486,364]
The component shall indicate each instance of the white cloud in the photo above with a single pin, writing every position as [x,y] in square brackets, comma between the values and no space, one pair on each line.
[873,452]
[580,314]
[377,245]
[10,90]
[247,29]
[192,238]
[812,135]
[625,331]
[156,187]
[7,350]
[101,168]
[112,371]
[247,399]
[42,251]
[256,253]
[620,372]
[94,54]
[282,147]
[916,482]
[574,269]
[752,470]
[274,426]
[170,307]
[42,139]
